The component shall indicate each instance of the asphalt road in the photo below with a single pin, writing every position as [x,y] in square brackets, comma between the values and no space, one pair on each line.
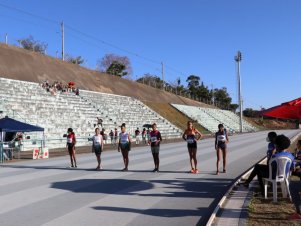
[45,192]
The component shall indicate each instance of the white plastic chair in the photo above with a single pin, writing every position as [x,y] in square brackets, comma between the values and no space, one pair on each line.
[281,176]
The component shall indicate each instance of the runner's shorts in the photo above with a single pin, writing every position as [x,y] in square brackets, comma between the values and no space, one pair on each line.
[222,146]
[125,147]
[155,149]
[70,147]
[192,145]
[97,149]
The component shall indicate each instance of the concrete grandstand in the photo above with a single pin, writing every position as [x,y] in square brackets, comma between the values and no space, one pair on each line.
[29,102]
[210,118]
[111,98]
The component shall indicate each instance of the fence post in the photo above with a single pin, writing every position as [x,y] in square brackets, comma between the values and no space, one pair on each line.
[1,152]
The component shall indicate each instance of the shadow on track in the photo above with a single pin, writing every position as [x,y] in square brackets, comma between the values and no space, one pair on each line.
[187,188]
[196,188]
[154,212]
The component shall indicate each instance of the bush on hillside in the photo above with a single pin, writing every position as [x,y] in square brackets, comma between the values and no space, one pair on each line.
[75,60]
[106,62]
[117,68]
[33,45]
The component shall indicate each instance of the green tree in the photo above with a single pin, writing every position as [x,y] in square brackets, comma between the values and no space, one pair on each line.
[233,107]
[75,60]
[106,62]
[33,45]
[117,68]
[193,85]
[151,80]
[250,112]
[222,98]
[204,93]
[178,81]
[182,90]
[193,81]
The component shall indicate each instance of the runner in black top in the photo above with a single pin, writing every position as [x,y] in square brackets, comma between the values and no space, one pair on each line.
[221,141]
[71,141]
[154,140]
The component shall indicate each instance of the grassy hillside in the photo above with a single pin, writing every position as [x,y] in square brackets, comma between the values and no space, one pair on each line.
[20,64]
[271,124]
[17,63]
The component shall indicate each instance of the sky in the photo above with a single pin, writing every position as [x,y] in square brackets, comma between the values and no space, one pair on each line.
[199,37]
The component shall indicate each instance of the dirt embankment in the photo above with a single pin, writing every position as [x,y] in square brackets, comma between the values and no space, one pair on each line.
[271,123]
[20,64]
[17,63]
[174,116]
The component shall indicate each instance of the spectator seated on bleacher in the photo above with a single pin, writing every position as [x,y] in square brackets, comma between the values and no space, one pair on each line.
[58,86]
[52,90]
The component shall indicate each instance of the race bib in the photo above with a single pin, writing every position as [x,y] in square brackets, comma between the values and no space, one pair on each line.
[190,140]
[97,140]
[153,139]
[221,138]
[69,140]
[124,141]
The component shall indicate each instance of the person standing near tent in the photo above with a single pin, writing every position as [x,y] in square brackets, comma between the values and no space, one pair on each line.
[137,133]
[191,136]
[115,136]
[221,141]
[154,140]
[71,141]
[111,134]
[124,145]
[97,147]
[144,136]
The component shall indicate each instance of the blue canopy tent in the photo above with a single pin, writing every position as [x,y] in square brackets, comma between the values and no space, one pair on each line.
[11,125]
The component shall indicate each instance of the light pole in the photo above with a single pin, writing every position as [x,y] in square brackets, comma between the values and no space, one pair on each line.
[63,41]
[163,75]
[238,59]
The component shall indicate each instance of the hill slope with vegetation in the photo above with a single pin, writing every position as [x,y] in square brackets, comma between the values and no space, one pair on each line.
[26,65]
[21,64]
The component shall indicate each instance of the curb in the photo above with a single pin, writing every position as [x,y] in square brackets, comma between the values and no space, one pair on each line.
[223,199]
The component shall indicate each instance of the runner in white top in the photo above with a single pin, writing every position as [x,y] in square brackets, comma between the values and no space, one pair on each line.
[97,147]
[124,145]
[221,141]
